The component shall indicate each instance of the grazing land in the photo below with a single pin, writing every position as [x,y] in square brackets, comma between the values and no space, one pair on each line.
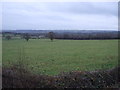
[42,56]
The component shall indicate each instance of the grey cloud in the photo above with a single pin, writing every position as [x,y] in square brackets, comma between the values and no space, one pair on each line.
[108,8]
[60,15]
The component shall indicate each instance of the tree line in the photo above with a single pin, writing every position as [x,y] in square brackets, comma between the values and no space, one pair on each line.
[74,36]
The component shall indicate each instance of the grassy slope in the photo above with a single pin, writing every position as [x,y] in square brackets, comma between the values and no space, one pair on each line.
[43,56]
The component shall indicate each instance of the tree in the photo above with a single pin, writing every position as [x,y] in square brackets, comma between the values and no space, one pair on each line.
[65,36]
[8,37]
[27,37]
[51,35]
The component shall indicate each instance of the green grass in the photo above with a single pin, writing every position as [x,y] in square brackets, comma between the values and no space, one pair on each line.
[0,52]
[43,56]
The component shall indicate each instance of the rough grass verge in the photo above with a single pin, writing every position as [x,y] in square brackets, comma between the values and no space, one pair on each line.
[14,77]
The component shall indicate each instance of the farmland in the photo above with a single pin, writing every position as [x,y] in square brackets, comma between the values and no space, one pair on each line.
[42,56]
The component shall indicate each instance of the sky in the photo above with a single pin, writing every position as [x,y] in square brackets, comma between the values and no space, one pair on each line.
[60,16]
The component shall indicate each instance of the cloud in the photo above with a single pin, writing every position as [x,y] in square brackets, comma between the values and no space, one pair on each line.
[59,0]
[84,7]
[64,15]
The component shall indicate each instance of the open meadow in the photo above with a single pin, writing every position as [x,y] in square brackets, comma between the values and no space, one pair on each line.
[41,56]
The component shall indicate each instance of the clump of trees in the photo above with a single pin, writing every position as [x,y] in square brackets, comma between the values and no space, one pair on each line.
[87,36]
[8,37]
[51,35]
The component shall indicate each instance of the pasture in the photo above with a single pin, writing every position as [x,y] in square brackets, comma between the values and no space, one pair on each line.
[42,56]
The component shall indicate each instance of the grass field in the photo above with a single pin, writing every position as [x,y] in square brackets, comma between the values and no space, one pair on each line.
[46,57]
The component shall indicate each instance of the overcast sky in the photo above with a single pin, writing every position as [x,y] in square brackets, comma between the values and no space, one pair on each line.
[60,15]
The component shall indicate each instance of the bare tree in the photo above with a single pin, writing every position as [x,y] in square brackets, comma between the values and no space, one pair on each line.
[8,37]
[51,35]
[27,37]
